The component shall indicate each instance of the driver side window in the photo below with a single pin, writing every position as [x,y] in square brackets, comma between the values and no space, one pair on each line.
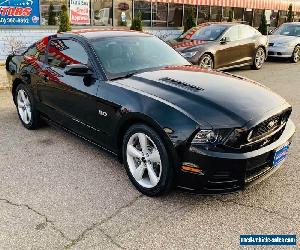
[63,52]
[232,34]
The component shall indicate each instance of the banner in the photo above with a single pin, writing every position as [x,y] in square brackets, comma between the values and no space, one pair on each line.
[19,12]
[79,12]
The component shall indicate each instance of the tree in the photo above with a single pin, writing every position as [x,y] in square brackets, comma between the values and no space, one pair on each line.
[263,27]
[64,24]
[51,15]
[290,15]
[190,20]
[230,18]
[137,22]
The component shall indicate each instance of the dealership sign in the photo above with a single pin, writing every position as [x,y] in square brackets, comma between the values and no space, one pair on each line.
[79,11]
[19,12]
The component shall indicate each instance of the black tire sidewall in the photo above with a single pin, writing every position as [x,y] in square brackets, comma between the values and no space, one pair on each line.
[165,182]
[34,115]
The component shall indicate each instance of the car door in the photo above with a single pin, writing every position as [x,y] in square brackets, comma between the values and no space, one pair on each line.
[248,37]
[228,52]
[70,100]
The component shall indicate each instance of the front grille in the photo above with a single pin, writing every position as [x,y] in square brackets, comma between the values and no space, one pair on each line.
[271,44]
[260,135]
[266,126]
[271,53]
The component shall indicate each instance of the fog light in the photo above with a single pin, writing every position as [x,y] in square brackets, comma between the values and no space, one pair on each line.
[192,168]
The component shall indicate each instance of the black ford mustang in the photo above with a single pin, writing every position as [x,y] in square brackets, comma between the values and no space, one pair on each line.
[171,123]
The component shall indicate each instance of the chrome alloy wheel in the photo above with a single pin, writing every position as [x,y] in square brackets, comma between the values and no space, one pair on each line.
[143,159]
[260,58]
[24,106]
[206,62]
[297,54]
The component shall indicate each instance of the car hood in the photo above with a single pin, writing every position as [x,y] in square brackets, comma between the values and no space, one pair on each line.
[219,99]
[282,39]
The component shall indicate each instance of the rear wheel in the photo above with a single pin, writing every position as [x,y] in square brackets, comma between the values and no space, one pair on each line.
[259,58]
[146,161]
[296,54]
[26,107]
[206,62]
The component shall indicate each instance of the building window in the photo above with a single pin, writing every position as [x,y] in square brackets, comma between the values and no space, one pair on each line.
[203,14]
[122,13]
[145,9]
[102,12]
[159,14]
[248,16]
[175,15]
[257,17]
[238,14]
[45,4]
[216,14]
[226,13]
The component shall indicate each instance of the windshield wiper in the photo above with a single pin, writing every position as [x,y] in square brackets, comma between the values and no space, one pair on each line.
[128,75]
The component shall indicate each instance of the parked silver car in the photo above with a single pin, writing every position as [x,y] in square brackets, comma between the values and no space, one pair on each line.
[285,42]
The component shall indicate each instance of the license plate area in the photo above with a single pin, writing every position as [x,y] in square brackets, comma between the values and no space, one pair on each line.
[280,154]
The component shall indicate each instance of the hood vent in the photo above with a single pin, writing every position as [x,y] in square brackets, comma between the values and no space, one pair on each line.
[181,84]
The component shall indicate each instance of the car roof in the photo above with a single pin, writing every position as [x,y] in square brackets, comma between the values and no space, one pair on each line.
[92,34]
[293,23]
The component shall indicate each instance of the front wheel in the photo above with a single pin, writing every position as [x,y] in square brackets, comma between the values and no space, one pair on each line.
[146,161]
[206,62]
[296,55]
[26,107]
[259,59]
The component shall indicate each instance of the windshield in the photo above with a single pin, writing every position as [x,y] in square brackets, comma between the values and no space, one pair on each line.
[288,30]
[208,33]
[121,56]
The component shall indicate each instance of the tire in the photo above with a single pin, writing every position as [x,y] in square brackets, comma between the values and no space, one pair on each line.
[296,55]
[26,108]
[259,59]
[206,61]
[143,162]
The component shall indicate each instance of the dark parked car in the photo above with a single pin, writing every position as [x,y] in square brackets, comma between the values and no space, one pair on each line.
[223,46]
[171,123]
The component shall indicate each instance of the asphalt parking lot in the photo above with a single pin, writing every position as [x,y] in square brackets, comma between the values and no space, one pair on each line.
[59,192]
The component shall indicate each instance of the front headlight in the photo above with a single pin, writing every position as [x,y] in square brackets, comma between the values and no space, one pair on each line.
[210,136]
[189,54]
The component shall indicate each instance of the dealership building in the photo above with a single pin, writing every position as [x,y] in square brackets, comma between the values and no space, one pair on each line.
[23,21]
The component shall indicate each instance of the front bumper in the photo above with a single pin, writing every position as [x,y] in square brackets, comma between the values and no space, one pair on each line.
[229,172]
[280,51]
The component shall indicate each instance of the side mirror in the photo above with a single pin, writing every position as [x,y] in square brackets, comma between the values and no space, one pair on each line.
[78,70]
[270,32]
[225,40]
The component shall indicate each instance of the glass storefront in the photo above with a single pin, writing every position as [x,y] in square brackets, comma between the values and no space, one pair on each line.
[162,14]
[159,14]
[102,13]
[203,14]
[215,14]
[175,15]
[144,8]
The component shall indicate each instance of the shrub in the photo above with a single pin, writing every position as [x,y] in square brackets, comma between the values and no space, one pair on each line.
[51,14]
[230,18]
[137,22]
[263,27]
[190,20]
[64,24]
[290,15]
